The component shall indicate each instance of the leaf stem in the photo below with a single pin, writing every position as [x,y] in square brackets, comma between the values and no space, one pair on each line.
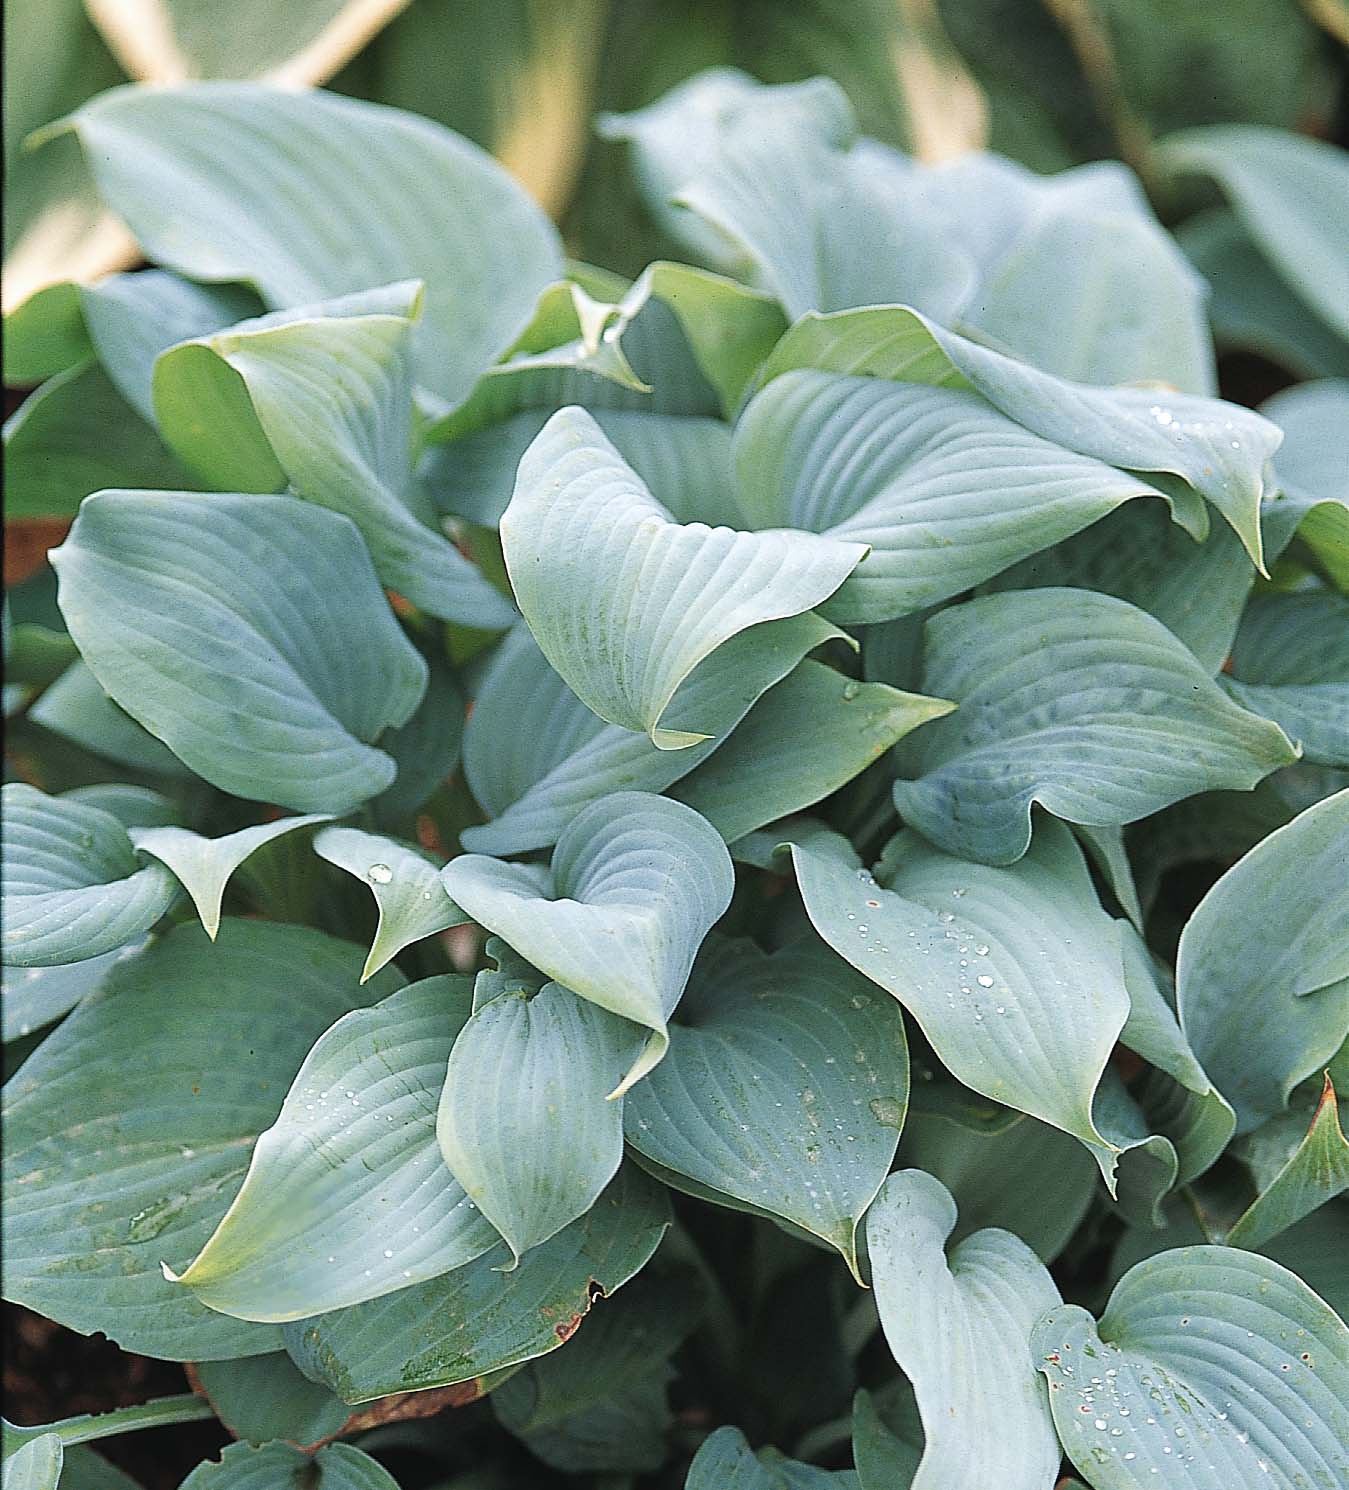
[187,1408]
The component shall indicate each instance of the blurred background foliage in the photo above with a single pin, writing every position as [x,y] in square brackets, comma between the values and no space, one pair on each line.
[1049,82]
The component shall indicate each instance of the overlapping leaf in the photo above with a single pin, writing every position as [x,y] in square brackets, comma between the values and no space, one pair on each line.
[534,754]
[1076,701]
[322,398]
[1219,449]
[73,887]
[231,181]
[807,736]
[523,1123]
[346,1197]
[204,865]
[785,1087]
[636,882]
[108,1172]
[944,489]
[1290,662]
[624,601]
[480,1318]
[1263,968]
[1210,1367]
[338,1466]
[960,1331]
[1014,975]
[405,883]
[265,690]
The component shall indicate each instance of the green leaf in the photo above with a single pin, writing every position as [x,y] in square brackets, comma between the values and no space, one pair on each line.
[76,708]
[33,997]
[204,865]
[1263,969]
[132,806]
[74,436]
[1290,662]
[231,181]
[943,489]
[629,601]
[1250,306]
[73,887]
[1314,503]
[1218,448]
[267,690]
[35,1465]
[601,1405]
[322,397]
[132,318]
[1210,1368]
[1002,1167]
[1055,297]
[264,1397]
[783,190]
[1317,1170]
[807,736]
[107,1172]
[884,1460]
[1076,701]
[1176,1096]
[480,1318]
[1014,975]
[959,1330]
[405,882]
[523,1123]
[534,754]
[1196,589]
[82,1469]
[684,460]
[426,749]
[1292,196]
[636,882]
[512,974]
[725,1461]
[785,1087]
[45,335]
[346,1197]
[339,1466]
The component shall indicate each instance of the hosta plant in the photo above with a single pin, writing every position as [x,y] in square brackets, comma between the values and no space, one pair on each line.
[736,879]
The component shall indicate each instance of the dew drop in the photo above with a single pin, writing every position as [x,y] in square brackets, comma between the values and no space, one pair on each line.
[379,874]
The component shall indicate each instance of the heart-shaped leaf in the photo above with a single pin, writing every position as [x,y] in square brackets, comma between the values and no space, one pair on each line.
[944,489]
[534,754]
[1076,701]
[624,601]
[204,865]
[73,887]
[405,883]
[482,1318]
[346,1197]
[960,1331]
[785,1087]
[807,736]
[725,1461]
[1263,969]
[76,708]
[268,691]
[322,398]
[1014,975]
[1210,1367]
[106,1175]
[636,882]
[1220,449]
[523,1123]
[232,181]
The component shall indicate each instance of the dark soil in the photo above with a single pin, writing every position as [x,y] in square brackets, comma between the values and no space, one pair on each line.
[51,1372]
